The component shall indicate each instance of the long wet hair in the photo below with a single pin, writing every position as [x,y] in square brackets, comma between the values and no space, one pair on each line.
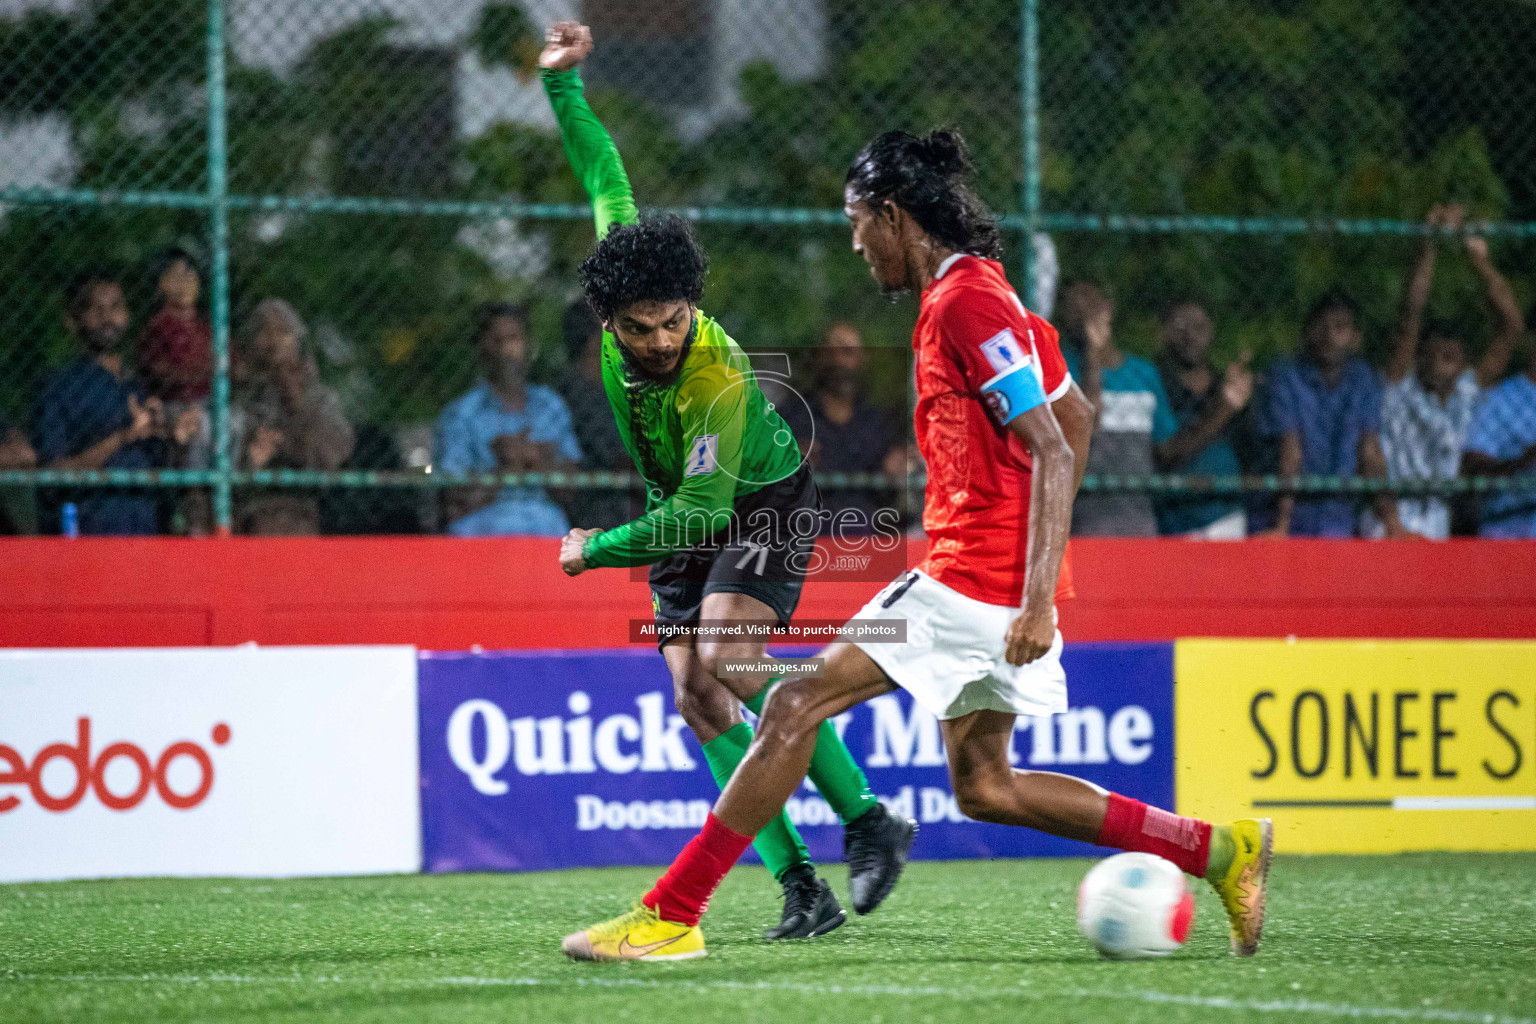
[927,177]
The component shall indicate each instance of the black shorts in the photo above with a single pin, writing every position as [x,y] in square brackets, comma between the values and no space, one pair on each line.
[763,553]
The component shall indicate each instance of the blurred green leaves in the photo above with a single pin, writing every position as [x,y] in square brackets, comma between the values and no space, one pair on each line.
[1264,108]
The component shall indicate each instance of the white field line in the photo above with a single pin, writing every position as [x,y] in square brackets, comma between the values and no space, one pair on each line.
[1464,803]
[1227,1003]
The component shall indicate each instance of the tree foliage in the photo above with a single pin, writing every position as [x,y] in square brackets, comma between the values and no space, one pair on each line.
[1315,109]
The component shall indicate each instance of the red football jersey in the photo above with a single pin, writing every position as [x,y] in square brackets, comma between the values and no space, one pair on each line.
[972,329]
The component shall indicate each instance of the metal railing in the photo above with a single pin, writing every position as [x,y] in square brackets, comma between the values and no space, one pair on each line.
[218,200]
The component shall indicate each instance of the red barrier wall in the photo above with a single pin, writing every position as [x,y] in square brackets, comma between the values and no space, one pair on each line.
[445,594]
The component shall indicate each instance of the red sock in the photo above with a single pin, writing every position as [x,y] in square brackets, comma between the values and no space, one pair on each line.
[1132,825]
[683,893]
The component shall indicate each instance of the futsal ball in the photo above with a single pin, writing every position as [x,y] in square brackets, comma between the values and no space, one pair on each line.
[1135,905]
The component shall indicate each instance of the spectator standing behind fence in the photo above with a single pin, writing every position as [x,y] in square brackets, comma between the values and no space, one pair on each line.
[283,418]
[1502,442]
[597,432]
[840,433]
[1324,408]
[92,415]
[1207,405]
[175,360]
[1430,391]
[175,352]
[507,425]
[1133,414]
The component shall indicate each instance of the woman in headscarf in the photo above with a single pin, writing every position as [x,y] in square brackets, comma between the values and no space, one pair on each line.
[284,418]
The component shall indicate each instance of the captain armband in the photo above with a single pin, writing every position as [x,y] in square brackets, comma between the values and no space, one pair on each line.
[1012,393]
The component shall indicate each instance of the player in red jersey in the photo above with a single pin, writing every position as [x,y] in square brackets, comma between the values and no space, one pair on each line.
[1005,434]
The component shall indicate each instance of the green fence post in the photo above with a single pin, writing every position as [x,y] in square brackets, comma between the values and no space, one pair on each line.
[1029,70]
[218,210]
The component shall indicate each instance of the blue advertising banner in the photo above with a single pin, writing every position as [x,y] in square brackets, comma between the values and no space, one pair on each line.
[542,760]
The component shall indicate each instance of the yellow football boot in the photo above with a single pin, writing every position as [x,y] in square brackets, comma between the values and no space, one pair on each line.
[640,934]
[1242,888]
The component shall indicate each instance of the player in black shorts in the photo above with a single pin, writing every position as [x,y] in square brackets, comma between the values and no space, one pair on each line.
[758,561]
[731,511]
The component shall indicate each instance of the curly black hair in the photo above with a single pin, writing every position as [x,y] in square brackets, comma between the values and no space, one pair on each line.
[927,177]
[655,259]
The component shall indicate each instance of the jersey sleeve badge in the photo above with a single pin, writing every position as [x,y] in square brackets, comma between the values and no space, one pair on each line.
[1003,351]
[702,455]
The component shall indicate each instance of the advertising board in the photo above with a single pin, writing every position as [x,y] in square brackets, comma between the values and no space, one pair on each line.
[208,761]
[1357,746]
[539,760]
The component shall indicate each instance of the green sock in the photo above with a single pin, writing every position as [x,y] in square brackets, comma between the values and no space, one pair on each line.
[836,774]
[778,844]
[1223,849]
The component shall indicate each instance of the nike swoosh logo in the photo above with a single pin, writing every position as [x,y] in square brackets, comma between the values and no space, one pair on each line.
[625,946]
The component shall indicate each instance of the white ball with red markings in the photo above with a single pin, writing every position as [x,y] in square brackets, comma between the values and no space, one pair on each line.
[1135,905]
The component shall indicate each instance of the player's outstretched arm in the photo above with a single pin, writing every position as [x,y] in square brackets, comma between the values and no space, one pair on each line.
[588,146]
[714,413]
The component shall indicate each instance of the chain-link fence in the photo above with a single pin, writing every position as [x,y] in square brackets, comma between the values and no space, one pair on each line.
[385,167]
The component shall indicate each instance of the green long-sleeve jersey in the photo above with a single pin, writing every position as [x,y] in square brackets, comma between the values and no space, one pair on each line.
[699,441]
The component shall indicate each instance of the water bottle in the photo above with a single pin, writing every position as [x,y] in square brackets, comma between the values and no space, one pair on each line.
[70,516]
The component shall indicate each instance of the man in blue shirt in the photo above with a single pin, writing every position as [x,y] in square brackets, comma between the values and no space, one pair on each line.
[1207,404]
[91,415]
[1133,414]
[1324,407]
[1502,442]
[507,425]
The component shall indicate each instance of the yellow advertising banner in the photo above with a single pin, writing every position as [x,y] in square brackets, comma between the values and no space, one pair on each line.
[1357,746]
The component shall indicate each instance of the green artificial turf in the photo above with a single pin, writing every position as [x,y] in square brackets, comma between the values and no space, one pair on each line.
[1413,938]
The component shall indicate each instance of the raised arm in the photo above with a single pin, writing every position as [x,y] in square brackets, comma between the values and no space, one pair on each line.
[1410,318]
[588,146]
[1511,322]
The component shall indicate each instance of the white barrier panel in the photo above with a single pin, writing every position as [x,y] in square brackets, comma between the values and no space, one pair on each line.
[208,761]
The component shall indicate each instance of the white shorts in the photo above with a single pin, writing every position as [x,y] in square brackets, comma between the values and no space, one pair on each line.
[952,663]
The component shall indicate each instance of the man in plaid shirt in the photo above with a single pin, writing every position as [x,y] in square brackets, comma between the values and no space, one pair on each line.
[1431,390]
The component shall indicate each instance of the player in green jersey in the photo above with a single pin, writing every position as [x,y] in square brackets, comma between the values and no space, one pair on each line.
[731,512]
